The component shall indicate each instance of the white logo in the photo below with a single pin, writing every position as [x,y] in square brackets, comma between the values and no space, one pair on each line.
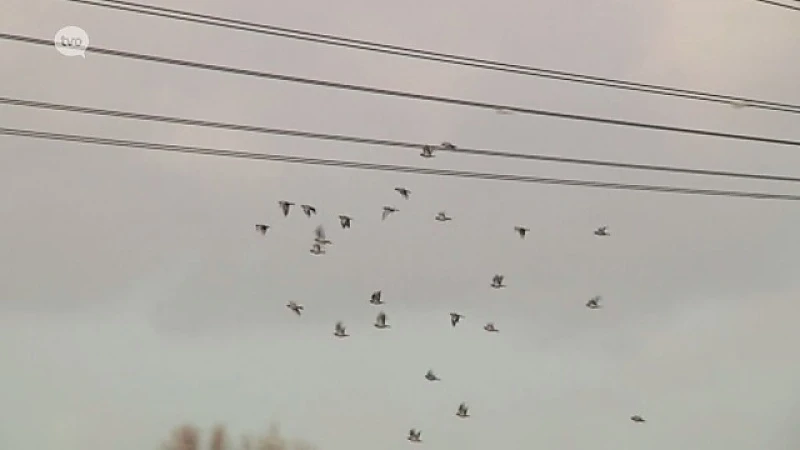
[72,41]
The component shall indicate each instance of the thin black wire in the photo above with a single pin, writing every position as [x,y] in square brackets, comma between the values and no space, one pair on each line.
[783,5]
[327,39]
[381,142]
[404,94]
[388,167]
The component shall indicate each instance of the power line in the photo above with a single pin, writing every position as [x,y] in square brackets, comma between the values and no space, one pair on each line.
[327,39]
[783,5]
[410,95]
[381,142]
[387,167]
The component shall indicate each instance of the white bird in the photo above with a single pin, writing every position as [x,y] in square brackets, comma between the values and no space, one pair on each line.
[375,299]
[380,321]
[403,191]
[388,210]
[448,146]
[261,228]
[455,317]
[340,330]
[345,221]
[317,249]
[285,207]
[319,238]
[522,231]
[308,210]
[430,376]
[602,231]
[637,418]
[497,282]
[427,151]
[594,302]
[442,217]
[463,411]
[295,307]
[490,328]
[414,435]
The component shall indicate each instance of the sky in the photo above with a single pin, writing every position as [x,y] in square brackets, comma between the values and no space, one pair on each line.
[137,296]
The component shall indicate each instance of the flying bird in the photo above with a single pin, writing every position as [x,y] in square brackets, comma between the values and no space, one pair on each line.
[448,146]
[295,307]
[345,221]
[430,376]
[463,411]
[602,231]
[403,191]
[455,317]
[414,435]
[497,282]
[375,299]
[388,210]
[340,330]
[594,302]
[317,249]
[490,328]
[285,207]
[427,151]
[319,238]
[522,231]
[308,210]
[380,322]
[638,418]
[442,217]
[261,228]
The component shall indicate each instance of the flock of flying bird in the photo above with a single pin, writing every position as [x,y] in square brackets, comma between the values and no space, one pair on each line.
[318,248]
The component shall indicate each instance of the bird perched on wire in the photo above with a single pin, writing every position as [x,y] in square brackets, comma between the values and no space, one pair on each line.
[427,151]
[414,435]
[308,210]
[594,302]
[261,228]
[388,210]
[403,191]
[285,206]
[340,330]
[380,321]
[602,231]
[319,236]
[344,221]
[463,411]
[522,231]
[455,318]
[448,146]
[375,299]
[430,376]
[442,217]
[295,307]
[490,328]
[497,282]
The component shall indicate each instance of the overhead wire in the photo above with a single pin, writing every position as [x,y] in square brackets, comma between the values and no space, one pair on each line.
[380,142]
[388,167]
[406,94]
[479,63]
[782,5]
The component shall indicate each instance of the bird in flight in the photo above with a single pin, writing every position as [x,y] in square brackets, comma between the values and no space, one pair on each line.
[344,221]
[308,210]
[522,231]
[319,238]
[414,435]
[430,376]
[340,330]
[375,299]
[403,191]
[317,249]
[497,282]
[295,307]
[285,207]
[380,321]
[637,418]
[490,328]
[388,210]
[448,146]
[602,231]
[594,302]
[427,151]
[261,228]
[463,411]
[442,217]
[455,317]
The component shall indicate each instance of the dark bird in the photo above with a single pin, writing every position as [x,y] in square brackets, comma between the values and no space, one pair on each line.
[448,146]
[308,210]
[637,418]
[285,207]
[388,210]
[414,435]
[295,307]
[490,328]
[427,151]
[442,217]
[463,411]
[403,191]
[497,282]
[344,221]
[375,299]
[594,302]
[340,330]
[430,376]
[602,231]
[319,238]
[455,317]
[380,321]
[261,228]
[522,231]
[317,249]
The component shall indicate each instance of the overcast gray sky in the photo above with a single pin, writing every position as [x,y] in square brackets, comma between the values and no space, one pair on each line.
[136,295]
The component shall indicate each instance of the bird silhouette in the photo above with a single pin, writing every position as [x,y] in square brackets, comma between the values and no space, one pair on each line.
[375,299]
[455,317]
[497,281]
[344,221]
[442,217]
[295,307]
[308,210]
[414,435]
[490,328]
[388,210]
[638,418]
[427,151]
[403,191]
[430,376]
[594,302]
[261,228]
[319,238]
[340,330]
[522,231]
[317,249]
[380,321]
[285,206]
[602,231]
[463,411]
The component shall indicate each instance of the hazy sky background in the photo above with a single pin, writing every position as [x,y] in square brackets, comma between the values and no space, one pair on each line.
[135,294]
